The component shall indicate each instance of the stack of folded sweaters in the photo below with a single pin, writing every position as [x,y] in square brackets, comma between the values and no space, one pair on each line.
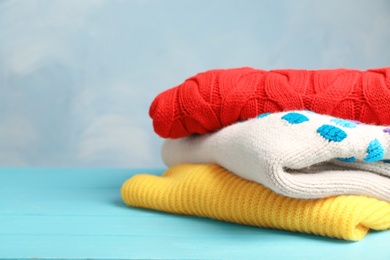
[298,150]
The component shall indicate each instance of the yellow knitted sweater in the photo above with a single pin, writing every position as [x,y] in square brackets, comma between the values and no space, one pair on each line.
[211,191]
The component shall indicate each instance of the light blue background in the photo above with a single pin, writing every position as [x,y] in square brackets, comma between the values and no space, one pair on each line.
[77,77]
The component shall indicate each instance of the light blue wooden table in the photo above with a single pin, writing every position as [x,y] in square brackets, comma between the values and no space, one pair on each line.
[79,214]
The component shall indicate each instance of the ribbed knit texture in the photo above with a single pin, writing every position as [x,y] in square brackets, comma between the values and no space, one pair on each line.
[217,98]
[211,191]
[300,154]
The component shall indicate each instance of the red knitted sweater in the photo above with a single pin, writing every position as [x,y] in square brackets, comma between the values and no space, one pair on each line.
[213,99]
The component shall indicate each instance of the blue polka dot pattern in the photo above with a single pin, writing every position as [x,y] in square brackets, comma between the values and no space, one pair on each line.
[349,159]
[263,115]
[375,151]
[356,122]
[343,123]
[295,118]
[332,133]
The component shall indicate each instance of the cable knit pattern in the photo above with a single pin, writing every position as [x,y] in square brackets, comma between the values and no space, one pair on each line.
[211,191]
[299,154]
[217,98]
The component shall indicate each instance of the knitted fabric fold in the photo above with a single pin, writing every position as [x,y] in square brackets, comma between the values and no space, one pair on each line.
[298,154]
[213,99]
[211,191]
